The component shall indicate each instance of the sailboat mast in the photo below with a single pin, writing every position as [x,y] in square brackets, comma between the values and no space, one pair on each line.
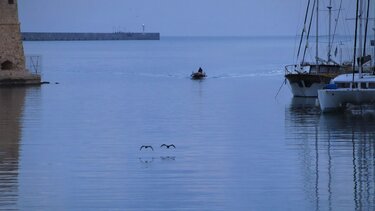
[304,29]
[366,27]
[308,32]
[373,59]
[373,42]
[317,33]
[355,42]
[329,31]
[360,39]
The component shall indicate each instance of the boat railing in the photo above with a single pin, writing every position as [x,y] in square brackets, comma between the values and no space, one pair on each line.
[34,64]
[296,69]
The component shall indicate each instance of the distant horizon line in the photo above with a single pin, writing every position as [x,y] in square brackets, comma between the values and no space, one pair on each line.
[179,35]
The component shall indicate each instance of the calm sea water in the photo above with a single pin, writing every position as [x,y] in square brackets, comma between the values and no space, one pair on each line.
[75,145]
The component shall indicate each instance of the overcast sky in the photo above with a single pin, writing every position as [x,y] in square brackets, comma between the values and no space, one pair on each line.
[169,17]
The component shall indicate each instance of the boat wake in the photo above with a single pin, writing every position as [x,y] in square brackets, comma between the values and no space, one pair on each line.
[212,75]
[249,75]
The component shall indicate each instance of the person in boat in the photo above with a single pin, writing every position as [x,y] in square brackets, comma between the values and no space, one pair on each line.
[199,74]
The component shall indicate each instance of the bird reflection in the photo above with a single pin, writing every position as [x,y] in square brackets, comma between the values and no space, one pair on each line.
[146,160]
[168,158]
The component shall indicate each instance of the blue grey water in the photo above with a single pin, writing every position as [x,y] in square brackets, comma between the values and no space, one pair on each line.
[75,145]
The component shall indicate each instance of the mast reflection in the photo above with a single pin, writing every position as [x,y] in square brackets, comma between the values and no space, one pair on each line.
[337,154]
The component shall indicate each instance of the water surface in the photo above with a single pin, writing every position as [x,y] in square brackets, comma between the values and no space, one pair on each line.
[75,145]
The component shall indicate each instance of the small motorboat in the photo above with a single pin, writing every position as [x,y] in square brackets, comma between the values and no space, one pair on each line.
[198,75]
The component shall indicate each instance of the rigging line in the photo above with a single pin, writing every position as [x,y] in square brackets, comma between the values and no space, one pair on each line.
[337,21]
[355,40]
[295,58]
[366,30]
[304,28]
[308,33]
[282,85]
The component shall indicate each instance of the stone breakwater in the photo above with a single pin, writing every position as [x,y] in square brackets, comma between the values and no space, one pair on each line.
[45,36]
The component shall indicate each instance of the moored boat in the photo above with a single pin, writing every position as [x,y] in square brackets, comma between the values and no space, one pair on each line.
[306,78]
[357,88]
[344,91]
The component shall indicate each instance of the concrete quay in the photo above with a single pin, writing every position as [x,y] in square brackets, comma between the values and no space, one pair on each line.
[14,78]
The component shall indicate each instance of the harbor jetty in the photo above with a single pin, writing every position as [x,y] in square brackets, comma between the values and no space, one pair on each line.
[59,36]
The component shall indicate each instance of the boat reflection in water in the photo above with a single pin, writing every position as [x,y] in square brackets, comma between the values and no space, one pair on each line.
[336,155]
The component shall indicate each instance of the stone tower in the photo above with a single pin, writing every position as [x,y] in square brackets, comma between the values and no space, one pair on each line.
[11,49]
[12,58]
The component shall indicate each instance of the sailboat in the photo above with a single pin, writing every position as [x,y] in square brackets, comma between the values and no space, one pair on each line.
[357,88]
[307,78]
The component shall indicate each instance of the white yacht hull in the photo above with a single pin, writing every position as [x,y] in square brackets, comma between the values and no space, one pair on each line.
[303,91]
[334,99]
[307,85]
